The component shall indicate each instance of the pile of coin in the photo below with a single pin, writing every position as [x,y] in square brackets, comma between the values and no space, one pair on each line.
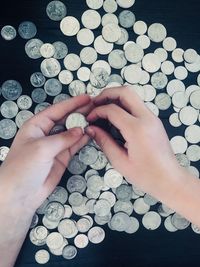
[96,194]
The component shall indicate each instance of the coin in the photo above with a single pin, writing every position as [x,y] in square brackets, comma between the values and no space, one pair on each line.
[134,53]
[94,4]
[42,256]
[157,32]
[83,74]
[101,46]
[77,167]
[65,77]
[83,225]
[54,240]
[27,30]
[56,10]
[96,235]
[67,228]
[37,79]
[126,19]
[88,155]
[188,115]
[151,62]
[140,207]
[47,50]
[61,50]
[9,109]
[72,62]
[190,55]
[179,222]
[75,199]
[91,19]
[112,178]
[69,252]
[151,220]
[99,77]
[8,129]
[133,74]
[53,87]
[38,95]
[8,33]
[133,226]
[61,97]
[24,102]
[111,32]
[69,26]
[22,117]
[50,67]
[125,3]
[192,134]
[180,73]
[177,55]
[169,44]
[85,37]
[143,41]
[110,6]
[11,89]
[88,55]
[32,48]
[59,194]
[81,241]
[54,211]
[76,183]
[123,38]
[195,99]
[161,53]
[102,207]
[3,152]
[140,27]
[178,144]
[168,225]
[76,120]
[163,101]
[120,221]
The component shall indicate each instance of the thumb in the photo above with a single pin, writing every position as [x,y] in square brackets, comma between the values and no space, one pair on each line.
[55,144]
[112,150]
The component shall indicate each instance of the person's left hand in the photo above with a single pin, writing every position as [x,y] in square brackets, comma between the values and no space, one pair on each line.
[36,161]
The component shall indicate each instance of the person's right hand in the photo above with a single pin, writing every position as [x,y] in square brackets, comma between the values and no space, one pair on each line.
[147,159]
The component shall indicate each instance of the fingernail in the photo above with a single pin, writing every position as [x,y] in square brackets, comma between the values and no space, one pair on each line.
[76,131]
[90,131]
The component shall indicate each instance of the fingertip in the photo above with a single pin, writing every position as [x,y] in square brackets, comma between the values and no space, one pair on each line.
[90,131]
[76,132]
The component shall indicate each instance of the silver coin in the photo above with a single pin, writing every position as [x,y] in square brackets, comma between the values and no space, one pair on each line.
[123,206]
[88,55]
[54,240]
[42,256]
[68,211]
[11,89]
[101,46]
[134,53]
[151,63]
[76,183]
[110,6]
[120,221]
[133,226]
[193,153]
[32,48]
[123,38]
[50,67]
[159,80]
[140,27]
[69,252]
[75,199]
[56,10]
[101,162]
[157,32]
[163,101]
[82,209]
[94,4]
[54,211]
[140,207]
[117,59]
[90,173]
[47,50]
[143,41]
[72,62]
[124,192]
[125,3]
[179,222]
[102,207]
[190,56]
[67,228]
[85,37]
[99,77]
[195,99]
[76,88]
[59,194]
[9,109]
[91,19]
[58,252]
[81,241]
[167,67]
[8,33]
[188,115]
[161,53]
[111,32]
[102,220]
[109,196]
[95,183]
[83,74]
[8,129]
[27,30]
[177,55]
[127,19]
[22,117]
[178,144]
[76,120]
[96,235]
[3,152]
[168,224]
[38,95]
[69,26]
[24,102]
[83,225]
[61,50]
[169,44]
[58,128]
[102,64]
[151,220]
[180,99]
[37,79]
[192,134]
[53,87]
[49,224]
[133,74]
[88,155]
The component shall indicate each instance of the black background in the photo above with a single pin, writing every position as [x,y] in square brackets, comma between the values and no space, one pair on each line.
[145,248]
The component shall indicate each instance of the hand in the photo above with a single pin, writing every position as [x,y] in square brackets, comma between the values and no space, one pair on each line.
[36,161]
[147,159]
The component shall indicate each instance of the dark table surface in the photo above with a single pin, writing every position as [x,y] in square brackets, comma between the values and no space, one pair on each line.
[145,248]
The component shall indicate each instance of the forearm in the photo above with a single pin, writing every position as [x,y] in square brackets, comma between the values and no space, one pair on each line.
[14,225]
[182,194]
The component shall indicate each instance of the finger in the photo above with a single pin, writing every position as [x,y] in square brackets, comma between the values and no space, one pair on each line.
[126,97]
[47,118]
[55,144]
[65,156]
[116,154]
[121,119]
[85,110]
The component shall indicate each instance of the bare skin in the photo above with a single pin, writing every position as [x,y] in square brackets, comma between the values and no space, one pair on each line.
[36,161]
